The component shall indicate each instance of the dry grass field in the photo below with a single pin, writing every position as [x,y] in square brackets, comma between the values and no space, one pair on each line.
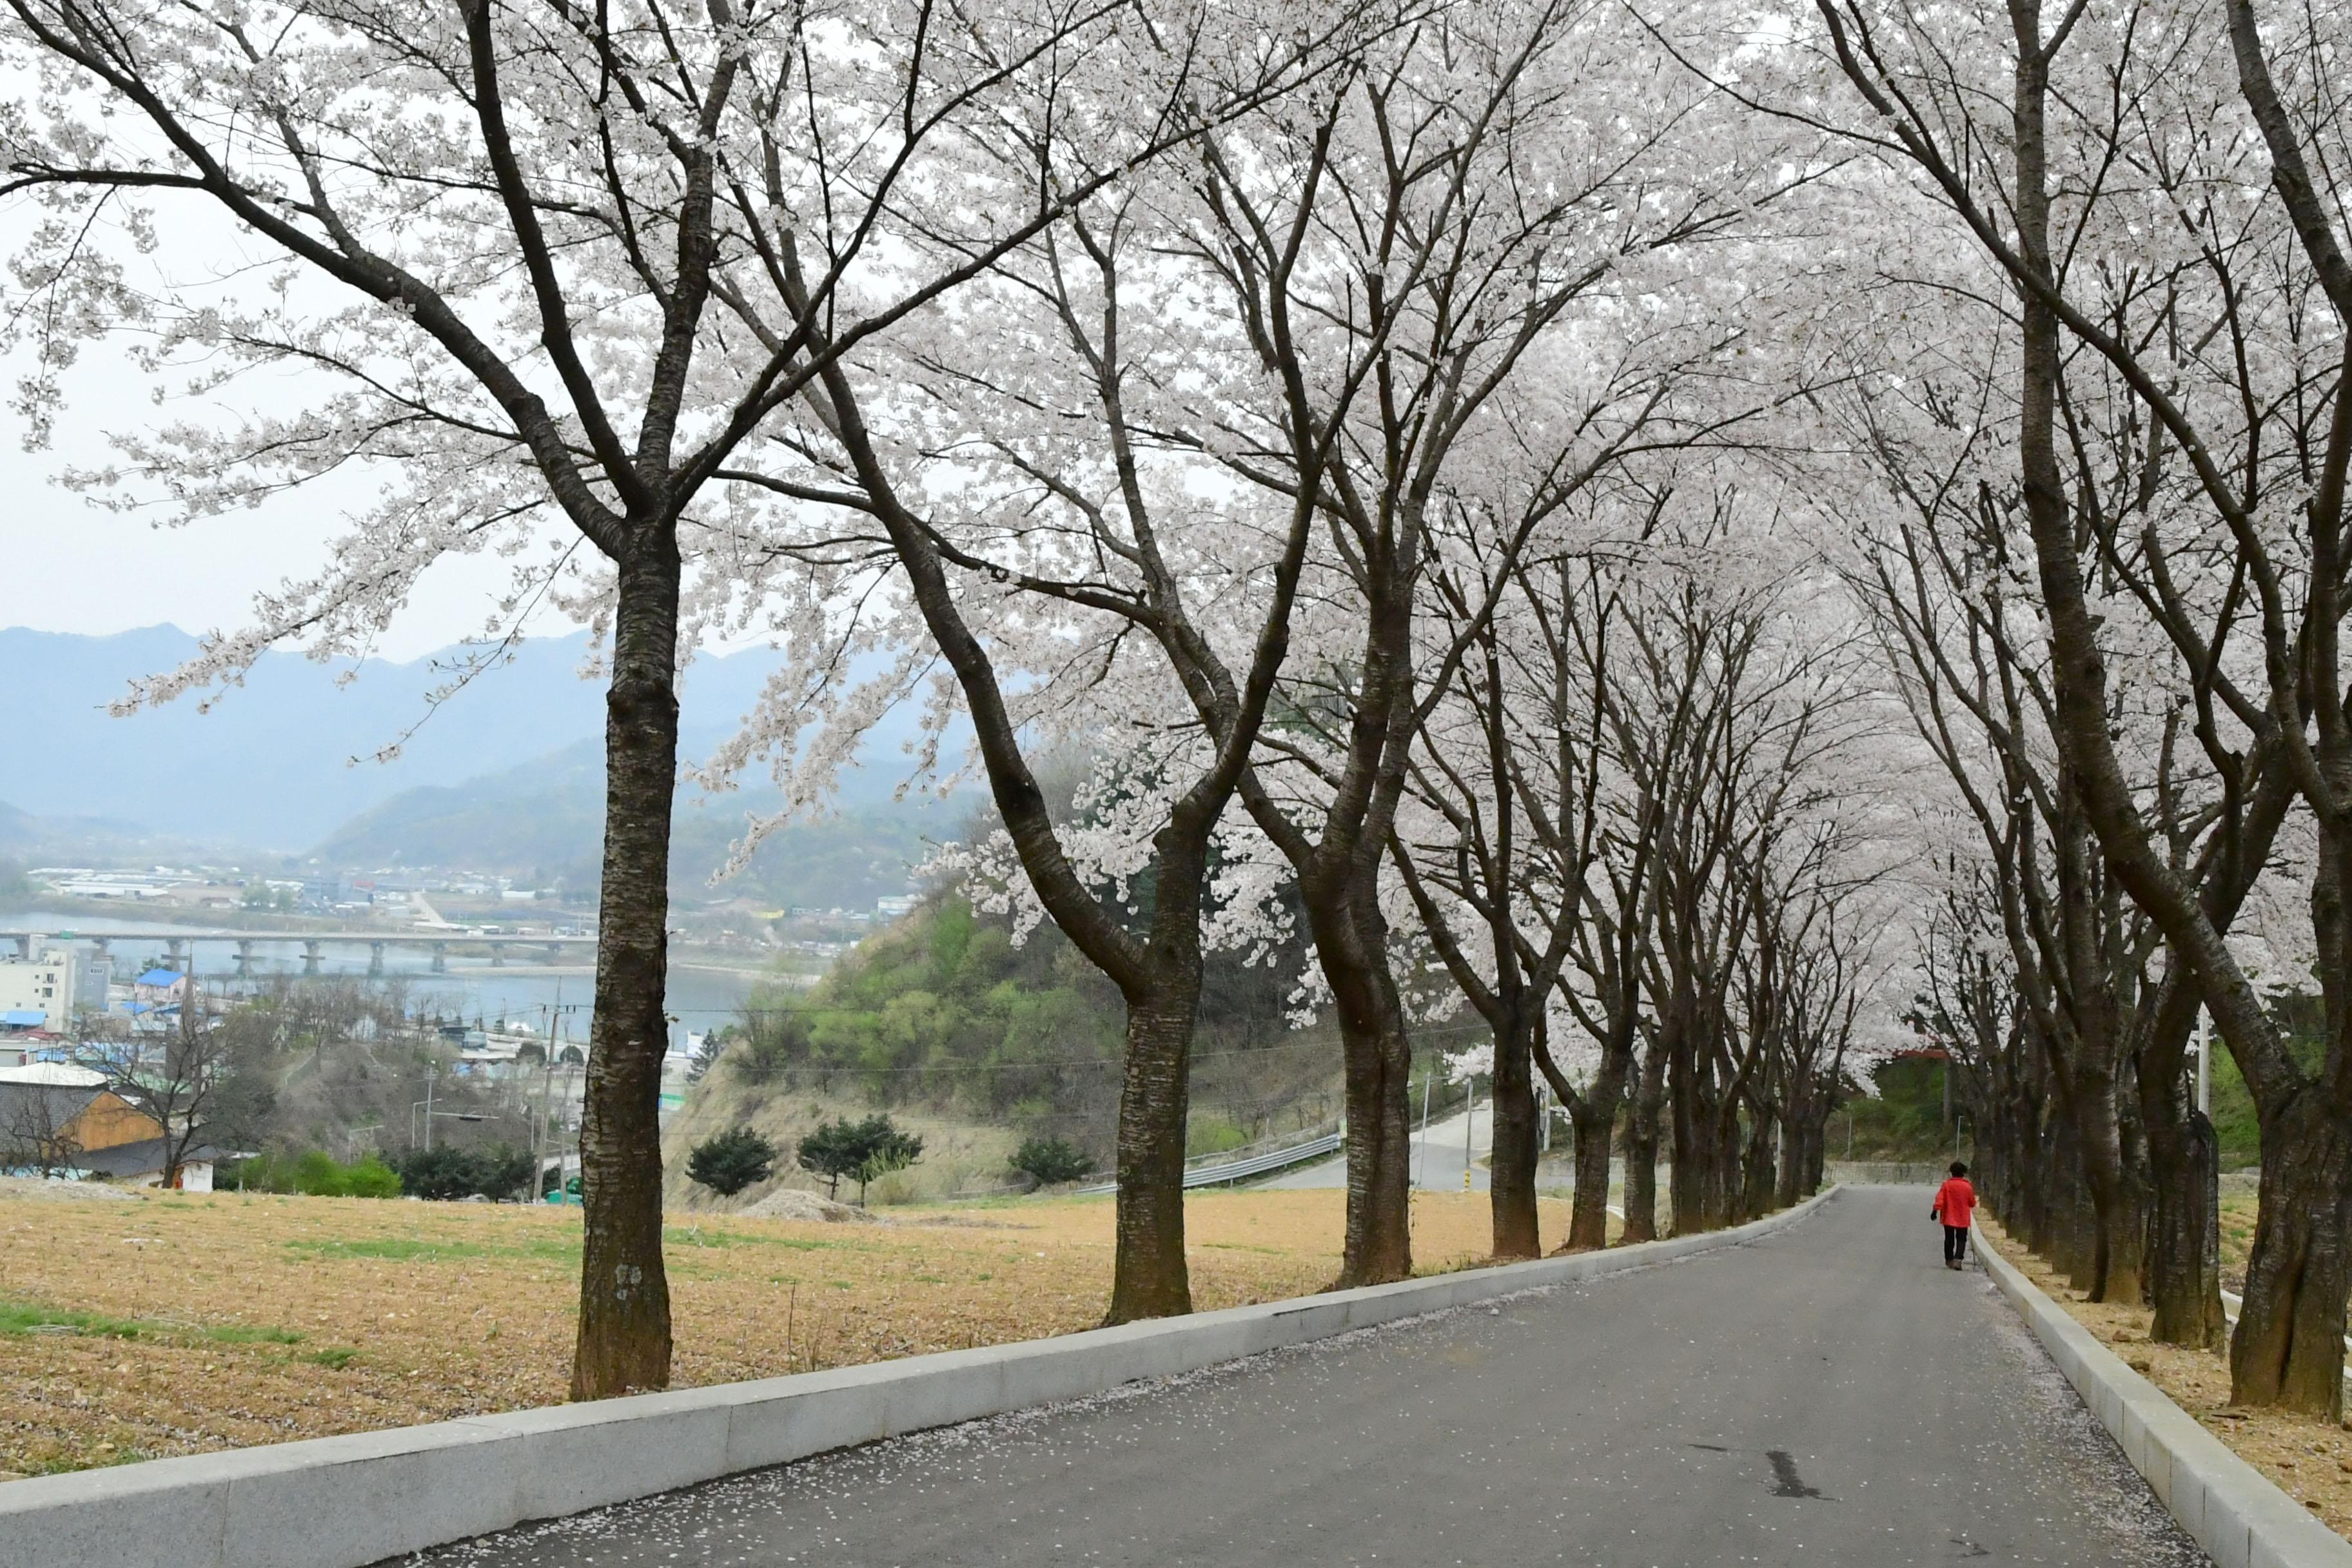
[174,1323]
[2309,1459]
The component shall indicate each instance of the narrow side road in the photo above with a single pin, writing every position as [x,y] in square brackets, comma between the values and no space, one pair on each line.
[1831,1397]
[1451,1146]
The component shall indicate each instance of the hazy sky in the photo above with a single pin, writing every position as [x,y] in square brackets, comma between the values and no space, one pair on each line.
[75,567]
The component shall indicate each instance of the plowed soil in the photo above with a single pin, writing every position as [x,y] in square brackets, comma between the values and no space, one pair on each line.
[183,1323]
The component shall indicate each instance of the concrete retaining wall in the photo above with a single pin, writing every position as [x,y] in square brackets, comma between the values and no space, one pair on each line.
[2234,1511]
[344,1502]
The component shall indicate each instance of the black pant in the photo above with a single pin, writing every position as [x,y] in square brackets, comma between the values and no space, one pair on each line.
[1955,1243]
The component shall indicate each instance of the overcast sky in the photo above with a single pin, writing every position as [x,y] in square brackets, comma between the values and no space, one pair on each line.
[71,566]
[75,567]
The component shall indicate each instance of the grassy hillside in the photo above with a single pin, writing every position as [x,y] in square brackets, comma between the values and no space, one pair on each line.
[954,1028]
[960,1157]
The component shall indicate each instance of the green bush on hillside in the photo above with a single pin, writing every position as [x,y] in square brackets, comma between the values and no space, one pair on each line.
[315,1173]
[947,1012]
[944,1010]
[862,1150]
[1050,1161]
[731,1161]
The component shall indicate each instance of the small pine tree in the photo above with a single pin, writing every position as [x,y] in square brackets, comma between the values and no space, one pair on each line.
[1051,1160]
[864,1150]
[731,1161]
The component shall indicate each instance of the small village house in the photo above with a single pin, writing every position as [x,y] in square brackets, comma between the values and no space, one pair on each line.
[64,1121]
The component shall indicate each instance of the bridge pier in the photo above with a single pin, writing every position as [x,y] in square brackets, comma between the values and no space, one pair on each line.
[309,958]
[177,946]
[498,955]
[554,952]
[375,959]
[440,958]
[244,958]
[25,945]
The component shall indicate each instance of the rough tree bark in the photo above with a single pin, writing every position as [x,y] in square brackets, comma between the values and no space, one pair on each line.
[1641,1147]
[623,1340]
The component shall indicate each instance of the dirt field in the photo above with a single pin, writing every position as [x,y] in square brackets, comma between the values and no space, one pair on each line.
[2238,1210]
[177,1322]
[2310,1459]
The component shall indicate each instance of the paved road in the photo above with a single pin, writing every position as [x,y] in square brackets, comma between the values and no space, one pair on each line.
[1831,1397]
[1437,1160]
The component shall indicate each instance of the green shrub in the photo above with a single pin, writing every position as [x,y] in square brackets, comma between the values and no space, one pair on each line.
[314,1173]
[1051,1160]
[731,1161]
[863,1150]
[493,1172]
[759,1053]
[371,1178]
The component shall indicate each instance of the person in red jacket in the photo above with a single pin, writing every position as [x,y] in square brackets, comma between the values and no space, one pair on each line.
[1955,1206]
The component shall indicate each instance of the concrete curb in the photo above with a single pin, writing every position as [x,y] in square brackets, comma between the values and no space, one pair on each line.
[2231,1507]
[348,1501]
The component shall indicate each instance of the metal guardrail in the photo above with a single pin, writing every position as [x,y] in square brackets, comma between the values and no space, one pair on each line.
[1243,1169]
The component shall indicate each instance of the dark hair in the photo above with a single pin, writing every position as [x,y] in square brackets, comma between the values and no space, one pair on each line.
[1959,1168]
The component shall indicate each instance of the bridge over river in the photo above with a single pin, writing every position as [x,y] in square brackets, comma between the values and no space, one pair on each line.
[179,941]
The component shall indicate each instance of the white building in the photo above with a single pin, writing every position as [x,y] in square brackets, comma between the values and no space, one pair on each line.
[48,984]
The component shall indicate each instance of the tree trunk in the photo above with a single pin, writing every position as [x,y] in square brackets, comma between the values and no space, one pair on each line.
[1351,947]
[1511,1185]
[1761,1177]
[1149,1278]
[1727,1192]
[2289,1347]
[2064,1243]
[1686,1182]
[1642,1150]
[1380,1159]
[2184,1281]
[623,1341]
[2033,1173]
[1595,1119]
[2118,1224]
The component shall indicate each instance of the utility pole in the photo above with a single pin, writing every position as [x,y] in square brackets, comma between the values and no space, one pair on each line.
[1469,1126]
[430,1074]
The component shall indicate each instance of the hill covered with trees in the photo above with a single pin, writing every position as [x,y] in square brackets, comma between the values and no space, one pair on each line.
[947,1013]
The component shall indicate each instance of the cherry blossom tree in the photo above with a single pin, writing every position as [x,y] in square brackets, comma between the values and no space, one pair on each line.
[2109,165]
[544,270]
[1517,281]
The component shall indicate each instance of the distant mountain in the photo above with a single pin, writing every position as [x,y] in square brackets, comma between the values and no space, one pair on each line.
[271,765]
[543,823]
[23,836]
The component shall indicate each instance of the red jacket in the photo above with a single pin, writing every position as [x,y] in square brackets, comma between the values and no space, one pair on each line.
[1956,1202]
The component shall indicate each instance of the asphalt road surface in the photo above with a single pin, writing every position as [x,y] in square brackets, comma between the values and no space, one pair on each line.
[1830,1398]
